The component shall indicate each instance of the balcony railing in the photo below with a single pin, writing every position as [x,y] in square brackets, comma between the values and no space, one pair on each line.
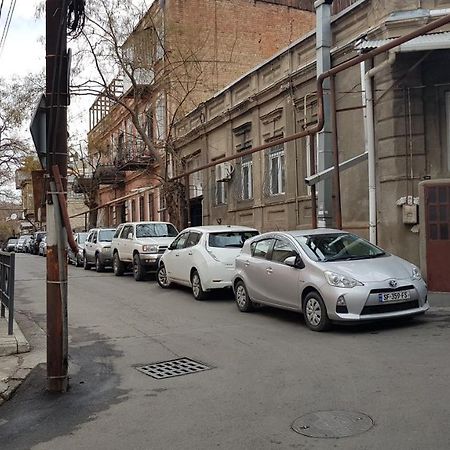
[134,157]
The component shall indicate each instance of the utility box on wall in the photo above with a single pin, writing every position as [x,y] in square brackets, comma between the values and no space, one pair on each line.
[410,214]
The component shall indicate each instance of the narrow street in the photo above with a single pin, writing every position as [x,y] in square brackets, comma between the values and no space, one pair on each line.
[267,369]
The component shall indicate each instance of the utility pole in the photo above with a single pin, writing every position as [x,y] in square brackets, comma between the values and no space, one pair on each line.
[56,103]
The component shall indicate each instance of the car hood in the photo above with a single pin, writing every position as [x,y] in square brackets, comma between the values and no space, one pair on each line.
[370,270]
[164,241]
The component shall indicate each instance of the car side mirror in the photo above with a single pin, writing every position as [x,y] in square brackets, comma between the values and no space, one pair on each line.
[295,261]
[130,235]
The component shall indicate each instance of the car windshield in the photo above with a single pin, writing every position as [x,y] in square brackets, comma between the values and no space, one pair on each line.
[82,237]
[106,235]
[230,238]
[146,230]
[338,247]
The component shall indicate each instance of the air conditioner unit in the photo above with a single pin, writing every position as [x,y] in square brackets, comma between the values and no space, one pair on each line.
[224,172]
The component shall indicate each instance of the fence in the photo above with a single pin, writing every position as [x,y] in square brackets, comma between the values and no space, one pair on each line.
[7,272]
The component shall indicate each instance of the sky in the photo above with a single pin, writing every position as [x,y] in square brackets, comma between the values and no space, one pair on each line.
[22,52]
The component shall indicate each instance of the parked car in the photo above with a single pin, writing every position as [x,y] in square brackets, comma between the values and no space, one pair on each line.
[43,246]
[203,258]
[139,245]
[20,246]
[34,245]
[10,244]
[329,275]
[78,258]
[97,249]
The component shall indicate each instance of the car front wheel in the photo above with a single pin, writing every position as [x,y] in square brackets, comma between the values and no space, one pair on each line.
[99,267]
[138,268]
[315,312]
[197,290]
[118,265]
[161,277]
[243,301]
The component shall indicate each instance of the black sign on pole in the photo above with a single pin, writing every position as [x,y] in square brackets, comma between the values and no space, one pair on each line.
[38,129]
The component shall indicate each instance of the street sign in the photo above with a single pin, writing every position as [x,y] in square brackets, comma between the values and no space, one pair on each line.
[38,129]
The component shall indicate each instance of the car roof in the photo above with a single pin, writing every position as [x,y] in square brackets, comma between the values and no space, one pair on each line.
[311,232]
[219,228]
[147,222]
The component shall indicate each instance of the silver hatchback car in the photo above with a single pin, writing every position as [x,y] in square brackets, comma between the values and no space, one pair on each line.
[329,275]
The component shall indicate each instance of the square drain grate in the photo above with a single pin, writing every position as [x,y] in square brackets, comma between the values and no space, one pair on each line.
[173,368]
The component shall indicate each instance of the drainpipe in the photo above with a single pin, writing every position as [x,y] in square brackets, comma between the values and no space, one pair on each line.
[369,128]
[324,137]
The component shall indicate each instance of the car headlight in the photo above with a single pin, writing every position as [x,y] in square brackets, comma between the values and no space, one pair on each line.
[150,248]
[106,249]
[416,275]
[343,281]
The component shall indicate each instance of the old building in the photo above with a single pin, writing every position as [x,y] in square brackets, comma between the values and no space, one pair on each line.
[411,137]
[183,51]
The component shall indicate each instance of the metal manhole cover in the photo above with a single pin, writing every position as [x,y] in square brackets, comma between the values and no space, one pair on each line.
[172,368]
[332,424]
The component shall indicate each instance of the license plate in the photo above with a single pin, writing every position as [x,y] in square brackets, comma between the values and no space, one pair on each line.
[393,296]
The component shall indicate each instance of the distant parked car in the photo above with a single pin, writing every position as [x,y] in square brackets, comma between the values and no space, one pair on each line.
[97,249]
[36,241]
[10,244]
[203,258]
[20,246]
[78,258]
[43,246]
[329,275]
[139,245]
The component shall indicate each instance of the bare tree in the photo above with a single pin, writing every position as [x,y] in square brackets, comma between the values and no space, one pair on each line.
[149,73]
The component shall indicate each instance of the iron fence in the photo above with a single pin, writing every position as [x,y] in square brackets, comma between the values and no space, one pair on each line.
[7,272]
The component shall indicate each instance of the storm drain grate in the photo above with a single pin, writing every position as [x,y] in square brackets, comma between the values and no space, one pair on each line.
[173,368]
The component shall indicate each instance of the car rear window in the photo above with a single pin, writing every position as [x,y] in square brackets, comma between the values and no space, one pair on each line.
[230,238]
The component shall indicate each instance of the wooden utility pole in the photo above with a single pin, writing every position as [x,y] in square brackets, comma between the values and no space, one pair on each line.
[56,103]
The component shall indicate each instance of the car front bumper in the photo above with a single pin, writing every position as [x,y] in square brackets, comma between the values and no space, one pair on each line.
[150,260]
[364,302]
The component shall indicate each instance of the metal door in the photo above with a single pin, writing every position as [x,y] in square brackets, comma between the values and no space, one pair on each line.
[437,218]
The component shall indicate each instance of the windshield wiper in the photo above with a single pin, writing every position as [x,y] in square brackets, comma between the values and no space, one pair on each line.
[353,258]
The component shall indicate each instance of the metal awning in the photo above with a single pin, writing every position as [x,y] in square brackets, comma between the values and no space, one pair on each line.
[435,41]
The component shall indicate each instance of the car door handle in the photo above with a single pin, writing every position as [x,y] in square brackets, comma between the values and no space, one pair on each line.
[269,270]
[177,254]
[190,253]
[246,263]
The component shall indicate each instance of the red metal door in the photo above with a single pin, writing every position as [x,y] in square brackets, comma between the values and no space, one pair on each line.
[437,218]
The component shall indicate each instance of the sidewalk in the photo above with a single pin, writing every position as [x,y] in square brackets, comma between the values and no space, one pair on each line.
[17,357]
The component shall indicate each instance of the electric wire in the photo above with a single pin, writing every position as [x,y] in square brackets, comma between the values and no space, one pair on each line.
[1,7]
[9,16]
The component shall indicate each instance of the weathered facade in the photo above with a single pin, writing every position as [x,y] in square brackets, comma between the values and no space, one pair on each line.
[212,43]
[411,124]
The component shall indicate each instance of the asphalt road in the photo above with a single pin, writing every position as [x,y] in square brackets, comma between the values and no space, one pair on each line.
[267,369]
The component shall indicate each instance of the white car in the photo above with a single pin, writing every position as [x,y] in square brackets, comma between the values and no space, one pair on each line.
[203,258]
[139,245]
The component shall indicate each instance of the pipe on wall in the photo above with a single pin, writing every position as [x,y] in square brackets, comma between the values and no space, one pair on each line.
[369,128]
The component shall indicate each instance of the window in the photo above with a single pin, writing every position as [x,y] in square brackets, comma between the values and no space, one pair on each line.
[141,208]
[260,249]
[133,210]
[276,170]
[105,235]
[193,239]
[282,250]
[160,116]
[230,238]
[117,233]
[220,187]
[94,237]
[247,177]
[126,230]
[179,242]
[150,207]
[146,230]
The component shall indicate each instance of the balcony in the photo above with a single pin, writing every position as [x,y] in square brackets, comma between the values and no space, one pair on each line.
[132,157]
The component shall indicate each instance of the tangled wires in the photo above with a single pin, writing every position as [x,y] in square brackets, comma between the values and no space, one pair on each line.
[75,17]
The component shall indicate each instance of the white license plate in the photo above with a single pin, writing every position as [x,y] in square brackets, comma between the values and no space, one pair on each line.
[394,296]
